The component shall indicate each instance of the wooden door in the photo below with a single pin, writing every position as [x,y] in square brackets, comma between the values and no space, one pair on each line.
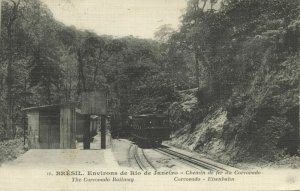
[49,133]
[54,134]
[43,132]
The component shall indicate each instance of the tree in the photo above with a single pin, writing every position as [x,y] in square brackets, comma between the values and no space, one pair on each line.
[0,16]
[164,33]
[195,31]
[45,71]
[11,14]
[24,23]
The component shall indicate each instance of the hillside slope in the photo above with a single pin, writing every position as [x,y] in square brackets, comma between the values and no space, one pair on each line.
[259,123]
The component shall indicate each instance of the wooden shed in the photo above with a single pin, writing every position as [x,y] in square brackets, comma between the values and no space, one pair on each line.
[52,127]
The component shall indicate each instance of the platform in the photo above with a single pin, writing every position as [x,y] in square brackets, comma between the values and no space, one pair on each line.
[67,158]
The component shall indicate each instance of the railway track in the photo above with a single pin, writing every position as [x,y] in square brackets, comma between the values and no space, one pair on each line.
[140,159]
[190,160]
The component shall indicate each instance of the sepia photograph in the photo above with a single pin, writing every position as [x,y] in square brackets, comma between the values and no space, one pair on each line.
[149,95]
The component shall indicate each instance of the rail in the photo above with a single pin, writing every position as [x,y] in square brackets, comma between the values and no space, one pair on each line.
[191,160]
[140,158]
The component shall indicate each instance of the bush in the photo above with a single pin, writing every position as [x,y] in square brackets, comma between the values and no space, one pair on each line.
[11,149]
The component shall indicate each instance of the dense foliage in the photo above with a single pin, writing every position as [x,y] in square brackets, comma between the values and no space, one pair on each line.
[247,52]
[44,62]
[239,54]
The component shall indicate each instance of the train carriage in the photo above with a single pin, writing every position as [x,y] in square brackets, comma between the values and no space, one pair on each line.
[150,129]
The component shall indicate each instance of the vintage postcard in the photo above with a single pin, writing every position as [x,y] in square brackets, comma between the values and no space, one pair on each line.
[159,95]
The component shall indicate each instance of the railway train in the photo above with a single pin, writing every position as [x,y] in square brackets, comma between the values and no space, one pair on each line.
[150,129]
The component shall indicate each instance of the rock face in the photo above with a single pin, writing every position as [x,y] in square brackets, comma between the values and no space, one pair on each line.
[201,136]
[205,137]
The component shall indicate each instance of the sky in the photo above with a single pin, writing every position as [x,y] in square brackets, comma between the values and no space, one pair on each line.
[139,18]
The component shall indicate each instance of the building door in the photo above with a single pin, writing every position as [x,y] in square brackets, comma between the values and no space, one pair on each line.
[49,132]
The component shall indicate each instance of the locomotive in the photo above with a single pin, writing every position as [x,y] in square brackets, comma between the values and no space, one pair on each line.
[150,129]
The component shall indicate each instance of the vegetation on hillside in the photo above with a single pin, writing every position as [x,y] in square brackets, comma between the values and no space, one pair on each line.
[248,57]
